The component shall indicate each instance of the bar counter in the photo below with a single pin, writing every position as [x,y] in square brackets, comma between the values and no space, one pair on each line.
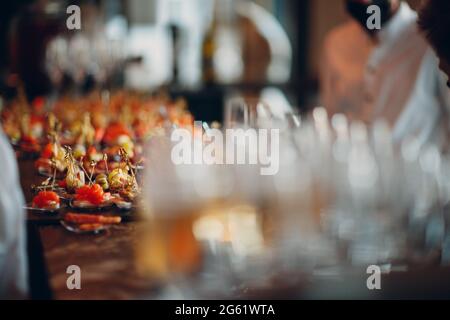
[108,268]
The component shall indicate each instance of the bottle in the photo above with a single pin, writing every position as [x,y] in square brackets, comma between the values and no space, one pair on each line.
[208,50]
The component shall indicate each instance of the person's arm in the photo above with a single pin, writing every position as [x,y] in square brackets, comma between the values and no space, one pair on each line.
[13,257]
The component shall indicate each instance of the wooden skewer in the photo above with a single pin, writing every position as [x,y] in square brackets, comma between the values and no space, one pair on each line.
[80,165]
[105,159]
[54,174]
[93,164]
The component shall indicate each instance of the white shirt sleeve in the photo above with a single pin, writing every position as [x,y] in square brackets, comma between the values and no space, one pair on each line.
[423,115]
[13,257]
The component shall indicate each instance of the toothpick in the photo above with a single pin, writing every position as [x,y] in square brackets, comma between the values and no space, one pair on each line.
[54,173]
[93,164]
[81,165]
[105,159]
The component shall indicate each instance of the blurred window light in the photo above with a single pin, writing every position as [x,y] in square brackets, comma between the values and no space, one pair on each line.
[153,44]
[116,28]
[183,13]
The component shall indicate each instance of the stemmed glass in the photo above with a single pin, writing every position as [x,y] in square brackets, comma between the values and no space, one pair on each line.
[237,114]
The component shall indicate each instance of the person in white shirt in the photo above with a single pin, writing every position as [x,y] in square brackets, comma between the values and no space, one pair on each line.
[435,25]
[389,73]
[13,258]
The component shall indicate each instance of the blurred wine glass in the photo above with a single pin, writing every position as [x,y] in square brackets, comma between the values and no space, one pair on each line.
[237,114]
[57,61]
[244,112]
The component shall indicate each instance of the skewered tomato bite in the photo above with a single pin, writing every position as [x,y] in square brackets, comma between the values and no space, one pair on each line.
[47,153]
[114,131]
[93,194]
[46,200]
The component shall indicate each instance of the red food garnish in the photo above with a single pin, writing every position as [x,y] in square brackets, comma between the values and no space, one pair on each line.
[43,163]
[29,140]
[93,194]
[62,183]
[45,199]
[91,150]
[114,131]
[36,120]
[47,153]
[38,103]
[99,133]
[29,144]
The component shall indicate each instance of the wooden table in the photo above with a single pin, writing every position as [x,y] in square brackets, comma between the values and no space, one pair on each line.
[106,260]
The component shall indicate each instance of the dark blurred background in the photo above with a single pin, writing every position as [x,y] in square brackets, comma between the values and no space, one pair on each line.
[205,50]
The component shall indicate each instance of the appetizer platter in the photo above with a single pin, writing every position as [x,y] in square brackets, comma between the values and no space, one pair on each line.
[92,125]
[89,150]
